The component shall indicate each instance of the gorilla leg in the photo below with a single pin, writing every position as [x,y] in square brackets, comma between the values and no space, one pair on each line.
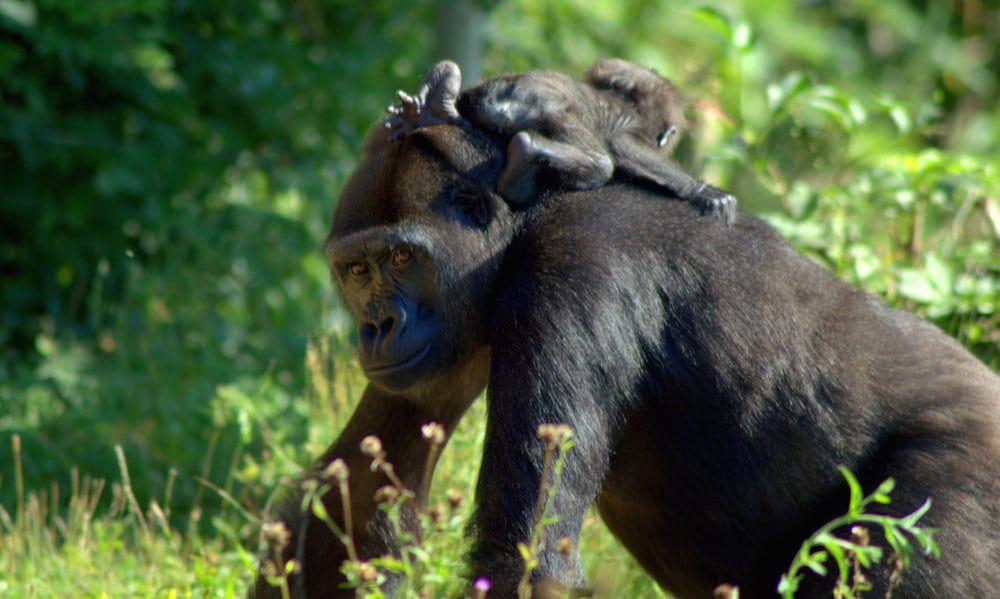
[542,372]
[509,486]
[530,155]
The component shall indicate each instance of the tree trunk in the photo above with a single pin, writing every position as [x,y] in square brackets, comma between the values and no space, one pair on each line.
[459,33]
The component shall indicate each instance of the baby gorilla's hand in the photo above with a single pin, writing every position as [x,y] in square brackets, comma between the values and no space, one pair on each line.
[715,202]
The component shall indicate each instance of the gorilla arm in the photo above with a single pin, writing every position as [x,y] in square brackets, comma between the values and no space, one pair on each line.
[396,420]
[559,356]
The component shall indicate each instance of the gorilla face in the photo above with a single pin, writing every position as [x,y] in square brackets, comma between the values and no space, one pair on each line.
[414,246]
[388,278]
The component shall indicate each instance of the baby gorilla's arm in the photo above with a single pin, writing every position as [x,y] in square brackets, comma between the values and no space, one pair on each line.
[636,159]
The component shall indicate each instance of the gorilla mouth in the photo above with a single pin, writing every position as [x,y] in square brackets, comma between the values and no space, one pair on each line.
[404,363]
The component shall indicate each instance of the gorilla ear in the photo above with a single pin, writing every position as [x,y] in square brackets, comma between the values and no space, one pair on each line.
[614,74]
[433,104]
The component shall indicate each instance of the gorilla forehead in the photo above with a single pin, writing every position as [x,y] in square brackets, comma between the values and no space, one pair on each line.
[398,182]
[382,239]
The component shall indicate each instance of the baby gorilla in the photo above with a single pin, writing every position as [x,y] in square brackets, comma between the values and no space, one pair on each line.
[566,134]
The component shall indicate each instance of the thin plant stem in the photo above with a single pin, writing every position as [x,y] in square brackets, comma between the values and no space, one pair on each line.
[206,465]
[15,442]
[542,503]
[228,499]
[345,502]
[425,483]
[133,503]
[543,485]
[168,493]
[390,473]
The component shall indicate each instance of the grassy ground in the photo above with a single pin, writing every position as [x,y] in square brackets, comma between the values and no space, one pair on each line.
[105,544]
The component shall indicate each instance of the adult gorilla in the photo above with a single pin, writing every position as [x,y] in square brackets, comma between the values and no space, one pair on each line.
[714,378]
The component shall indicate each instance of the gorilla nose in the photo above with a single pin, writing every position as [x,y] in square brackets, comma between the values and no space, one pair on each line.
[373,332]
[386,325]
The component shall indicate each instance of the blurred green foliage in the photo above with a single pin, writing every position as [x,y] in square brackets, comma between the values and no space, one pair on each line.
[167,169]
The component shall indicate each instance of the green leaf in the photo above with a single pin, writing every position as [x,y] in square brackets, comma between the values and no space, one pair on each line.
[525,552]
[857,110]
[900,118]
[838,556]
[868,555]
[743,37]
[911,519]
[815,562]
[892,538]
[788,585]
[886,487]
[714,19]
[319,510]
[393,566]
[779,94]
[857,496]
[22,12]
[880,498]
[897,112]
[834,110]
[939,273]
[917,286]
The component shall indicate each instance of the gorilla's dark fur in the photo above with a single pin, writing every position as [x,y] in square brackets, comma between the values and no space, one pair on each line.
[714,377]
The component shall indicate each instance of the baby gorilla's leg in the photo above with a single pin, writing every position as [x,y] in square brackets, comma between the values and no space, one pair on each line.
[530,155]
[638,160]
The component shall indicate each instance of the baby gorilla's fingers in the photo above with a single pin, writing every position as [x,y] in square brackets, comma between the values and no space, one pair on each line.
[715,202]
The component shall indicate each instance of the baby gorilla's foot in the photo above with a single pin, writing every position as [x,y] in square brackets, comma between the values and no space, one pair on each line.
[517,182]
[715,202]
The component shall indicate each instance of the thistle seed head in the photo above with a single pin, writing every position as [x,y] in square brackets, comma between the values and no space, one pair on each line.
[276,535]
[368,572]
[433,432]
[387,494]
[371,446]
[454,499]
[481,587]
[859,536]
[564,546]
[554,435]
[337,470]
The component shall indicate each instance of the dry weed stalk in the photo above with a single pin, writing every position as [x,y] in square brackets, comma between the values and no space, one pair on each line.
[558,440]
[339,473]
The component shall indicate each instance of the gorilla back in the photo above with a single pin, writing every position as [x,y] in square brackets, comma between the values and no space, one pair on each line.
[724,378]
[714,377]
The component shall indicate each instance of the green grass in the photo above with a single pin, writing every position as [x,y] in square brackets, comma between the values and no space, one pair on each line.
[95,539]
[103,543]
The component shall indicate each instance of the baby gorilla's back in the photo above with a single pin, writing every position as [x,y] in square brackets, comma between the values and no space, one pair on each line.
[550,103]
[557,128]
[564,134]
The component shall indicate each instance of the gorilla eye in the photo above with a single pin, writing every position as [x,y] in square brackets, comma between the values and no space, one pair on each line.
[473,205]
[401,256]
[359,268]
[665,136]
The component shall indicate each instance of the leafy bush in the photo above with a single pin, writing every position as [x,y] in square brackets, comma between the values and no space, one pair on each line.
[168,169]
